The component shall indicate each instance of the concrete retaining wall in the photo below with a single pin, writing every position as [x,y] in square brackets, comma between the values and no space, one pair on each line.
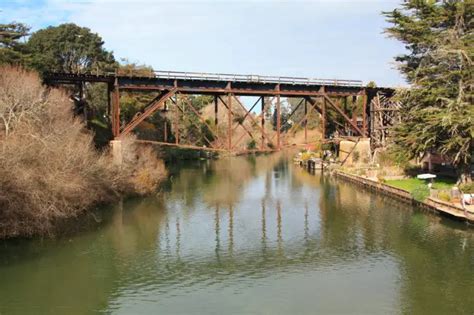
[347,149]
[431,204]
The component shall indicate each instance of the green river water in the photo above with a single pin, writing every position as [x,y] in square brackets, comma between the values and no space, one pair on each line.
[246,235]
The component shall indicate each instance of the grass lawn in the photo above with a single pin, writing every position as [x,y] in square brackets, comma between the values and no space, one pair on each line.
[418,188]
[410,184]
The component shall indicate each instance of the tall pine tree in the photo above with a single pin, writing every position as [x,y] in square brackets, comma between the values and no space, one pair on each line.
[12,49]
[438,108]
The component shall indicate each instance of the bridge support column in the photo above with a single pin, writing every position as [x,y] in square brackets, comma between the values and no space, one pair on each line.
[165,131]
[229,116]
[216,111]
[306,121]
[117,156]
[263,123]
[323,119]
[176,119]
[364,113]
[116,111]
[278,126]
[109,101]
[354,111]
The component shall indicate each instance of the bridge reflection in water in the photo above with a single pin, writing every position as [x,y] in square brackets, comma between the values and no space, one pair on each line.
[248,235]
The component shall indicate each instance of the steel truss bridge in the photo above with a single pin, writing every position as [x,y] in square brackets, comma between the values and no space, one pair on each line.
[173,89]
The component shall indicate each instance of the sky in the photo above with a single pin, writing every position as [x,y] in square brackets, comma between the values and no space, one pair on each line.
[331,39]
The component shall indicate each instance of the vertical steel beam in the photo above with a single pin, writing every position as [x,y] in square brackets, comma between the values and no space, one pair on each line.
[369,124]
[306,121]
[344,108]
[354,110]
[109,100]
[176,122]
[263,122]
[278,109]
[165,131]
[81,90]
[342,113]
[323,118]
[116,110]
[216,109]
[229,116]
[372,117]
[82,101]
[364,113]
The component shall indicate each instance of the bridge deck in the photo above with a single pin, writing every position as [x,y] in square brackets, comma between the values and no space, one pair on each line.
[215,83]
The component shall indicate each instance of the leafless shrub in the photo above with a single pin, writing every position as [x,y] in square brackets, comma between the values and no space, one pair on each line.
[21,96]
[49,168]
[142,167]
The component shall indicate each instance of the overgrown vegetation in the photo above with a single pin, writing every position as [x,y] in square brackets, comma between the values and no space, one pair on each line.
[467,188]
[49,167]
[251,145]
[438,115]
[141,170]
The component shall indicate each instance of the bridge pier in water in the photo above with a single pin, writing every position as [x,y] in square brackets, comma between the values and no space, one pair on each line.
[117,154]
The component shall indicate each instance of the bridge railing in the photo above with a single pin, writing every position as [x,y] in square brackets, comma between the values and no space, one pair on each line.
[251,78]
[247,78]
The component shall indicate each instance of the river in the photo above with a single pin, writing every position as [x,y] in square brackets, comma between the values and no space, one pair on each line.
[246,235]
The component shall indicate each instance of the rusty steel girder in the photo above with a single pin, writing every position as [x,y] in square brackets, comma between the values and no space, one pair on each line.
[220,86]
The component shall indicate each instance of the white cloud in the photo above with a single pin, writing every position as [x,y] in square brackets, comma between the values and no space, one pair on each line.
[337,38]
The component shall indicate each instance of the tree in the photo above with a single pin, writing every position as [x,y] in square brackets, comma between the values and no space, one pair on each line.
[134,69]
[11,49]
[297,108]
[438,111]
[21,97]
[69,48]
[313,117]
[285,124]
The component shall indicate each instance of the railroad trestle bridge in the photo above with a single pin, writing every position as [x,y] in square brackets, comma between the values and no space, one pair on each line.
[328,98]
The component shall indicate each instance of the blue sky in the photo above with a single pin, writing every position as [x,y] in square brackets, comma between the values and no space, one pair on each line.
[340,39]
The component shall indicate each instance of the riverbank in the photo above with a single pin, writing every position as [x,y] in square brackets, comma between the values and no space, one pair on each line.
[431,204]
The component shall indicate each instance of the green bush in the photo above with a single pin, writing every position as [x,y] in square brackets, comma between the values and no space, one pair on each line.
[381,177]
[420,193]
[327,146]
[467,188]
[443,195]
[317,147]
[251,145]
[361,172]
[385,158]
[412,170]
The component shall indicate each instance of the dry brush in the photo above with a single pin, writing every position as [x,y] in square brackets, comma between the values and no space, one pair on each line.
[49,167]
